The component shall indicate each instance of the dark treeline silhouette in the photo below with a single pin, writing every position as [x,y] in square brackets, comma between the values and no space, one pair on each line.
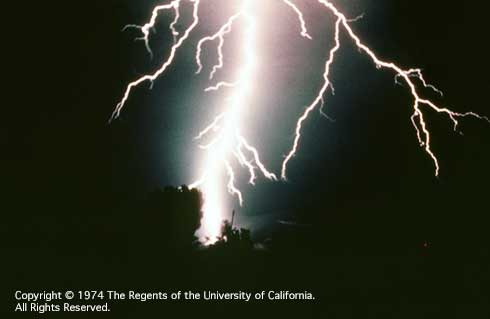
[234,238]
[150,244]
[168,219]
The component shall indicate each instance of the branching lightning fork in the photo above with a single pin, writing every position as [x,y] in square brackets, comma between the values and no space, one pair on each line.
[227,141]
[408,77]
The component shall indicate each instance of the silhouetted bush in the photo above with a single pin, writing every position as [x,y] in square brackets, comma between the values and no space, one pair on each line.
[234,238]
[168,219]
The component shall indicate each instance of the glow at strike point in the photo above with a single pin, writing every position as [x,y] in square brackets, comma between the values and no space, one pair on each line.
[225,144]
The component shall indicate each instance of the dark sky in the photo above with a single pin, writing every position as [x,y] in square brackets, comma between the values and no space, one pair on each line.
[71,63]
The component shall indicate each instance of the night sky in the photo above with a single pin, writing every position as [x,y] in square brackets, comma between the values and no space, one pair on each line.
[363,174]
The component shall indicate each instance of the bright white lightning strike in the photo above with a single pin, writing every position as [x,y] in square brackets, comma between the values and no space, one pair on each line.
[227,143]
[417,118]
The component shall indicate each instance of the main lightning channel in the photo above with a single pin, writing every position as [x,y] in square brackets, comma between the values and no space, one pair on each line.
[227,142]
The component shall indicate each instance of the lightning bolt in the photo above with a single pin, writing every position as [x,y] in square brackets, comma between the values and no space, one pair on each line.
[227,144]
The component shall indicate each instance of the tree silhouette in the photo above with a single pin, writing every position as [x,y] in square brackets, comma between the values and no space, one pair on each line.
[168,219]
[234,238]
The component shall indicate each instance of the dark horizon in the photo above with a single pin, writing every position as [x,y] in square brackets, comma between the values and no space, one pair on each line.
[361,184]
